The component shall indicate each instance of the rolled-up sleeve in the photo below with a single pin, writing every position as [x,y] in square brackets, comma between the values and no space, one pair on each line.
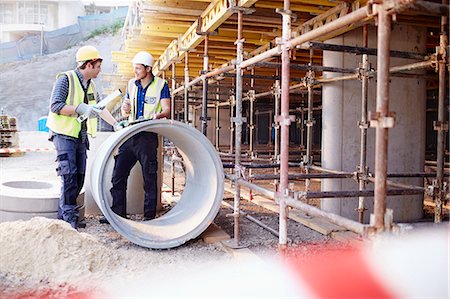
[59,94]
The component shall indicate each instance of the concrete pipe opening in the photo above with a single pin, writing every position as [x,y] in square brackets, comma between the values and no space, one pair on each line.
[199,202]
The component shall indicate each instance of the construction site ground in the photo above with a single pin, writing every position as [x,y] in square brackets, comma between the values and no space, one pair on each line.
[47,258]
[120,257]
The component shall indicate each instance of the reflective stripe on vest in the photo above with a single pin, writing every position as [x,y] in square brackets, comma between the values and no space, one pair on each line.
[152,102]
[68,124]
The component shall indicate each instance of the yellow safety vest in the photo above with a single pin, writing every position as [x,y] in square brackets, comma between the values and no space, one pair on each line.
[68,124]
[152,102]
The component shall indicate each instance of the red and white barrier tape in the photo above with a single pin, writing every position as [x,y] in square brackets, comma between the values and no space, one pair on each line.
[25,150]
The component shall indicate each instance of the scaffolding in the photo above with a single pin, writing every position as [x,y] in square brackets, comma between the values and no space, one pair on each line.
[198,86]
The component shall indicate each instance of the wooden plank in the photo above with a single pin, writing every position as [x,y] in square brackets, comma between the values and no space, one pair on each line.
[214,234]
[315,223]
[240,254]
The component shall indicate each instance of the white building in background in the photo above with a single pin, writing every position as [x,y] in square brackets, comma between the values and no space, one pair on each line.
[21,17]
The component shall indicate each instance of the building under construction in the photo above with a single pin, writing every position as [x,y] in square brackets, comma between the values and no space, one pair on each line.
[353,93]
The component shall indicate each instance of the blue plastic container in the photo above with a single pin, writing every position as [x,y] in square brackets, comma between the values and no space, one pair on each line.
[42,124]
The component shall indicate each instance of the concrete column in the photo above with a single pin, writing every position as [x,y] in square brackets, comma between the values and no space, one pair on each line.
[341,112]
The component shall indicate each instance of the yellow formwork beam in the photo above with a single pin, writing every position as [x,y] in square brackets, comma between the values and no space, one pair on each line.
[211,18]
[293,7]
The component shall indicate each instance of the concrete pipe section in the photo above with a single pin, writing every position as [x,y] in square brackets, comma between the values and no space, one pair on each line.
[23,200]
[200,200]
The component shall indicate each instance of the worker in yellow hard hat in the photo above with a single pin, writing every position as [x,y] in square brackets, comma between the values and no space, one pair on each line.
[74,94]
[148,97]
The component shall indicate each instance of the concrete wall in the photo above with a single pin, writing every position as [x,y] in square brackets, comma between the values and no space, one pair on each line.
[341,135]
[224,123]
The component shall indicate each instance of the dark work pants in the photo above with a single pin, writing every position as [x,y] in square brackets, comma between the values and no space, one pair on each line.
[143,148]
[71,158]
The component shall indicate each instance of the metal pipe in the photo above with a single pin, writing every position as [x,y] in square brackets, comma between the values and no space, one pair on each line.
[217,110]
[204,118]
[277,95]
[396,184]
[238,126]
[363,125]
[186,88]
[172,102]
[356,193]
[254,187]
[364,50]
[424,7]
[232,104]
[260,57]
[284,122]
[253,219]
[252,104]
[304,67]
[441,122]
[412,66]
[219,71]
[382,105]
[393,70]
[309,126]
[349,19]
[299,176]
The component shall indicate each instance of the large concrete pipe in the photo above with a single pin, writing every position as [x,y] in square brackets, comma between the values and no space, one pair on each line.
[199,202]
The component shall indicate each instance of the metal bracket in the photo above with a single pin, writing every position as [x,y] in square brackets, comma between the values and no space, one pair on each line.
[440,126]
[239,120]
[287,12]
[235,8]
[362,72]
[310,79]
[286,121]
[376,120]
[277,89]
[309,123]
[199,31]
[363,125]
[251,94]
[204,118]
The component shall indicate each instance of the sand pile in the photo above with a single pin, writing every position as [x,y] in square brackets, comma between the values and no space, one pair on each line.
[50,252]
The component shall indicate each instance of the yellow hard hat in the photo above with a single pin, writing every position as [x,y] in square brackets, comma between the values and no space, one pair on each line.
[86,53]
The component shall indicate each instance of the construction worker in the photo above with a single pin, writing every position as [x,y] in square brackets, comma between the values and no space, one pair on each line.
[148,97]
[74,94]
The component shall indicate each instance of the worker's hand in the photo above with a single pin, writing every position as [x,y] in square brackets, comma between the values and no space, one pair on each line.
[126,106]
[86,110]
[120,125]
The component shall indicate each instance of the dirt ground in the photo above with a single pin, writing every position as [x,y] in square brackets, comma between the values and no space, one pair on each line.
[34,79]
[129,260]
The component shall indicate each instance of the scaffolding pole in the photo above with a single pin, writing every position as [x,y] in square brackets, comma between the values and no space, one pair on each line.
[363,126]
[284,121]
[384,119]
[238,125]
[441,126]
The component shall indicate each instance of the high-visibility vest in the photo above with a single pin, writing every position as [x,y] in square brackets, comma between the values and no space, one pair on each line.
[68,124]
[152,102]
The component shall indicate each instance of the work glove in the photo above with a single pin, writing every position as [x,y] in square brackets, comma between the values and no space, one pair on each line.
[120,125]
[86,111]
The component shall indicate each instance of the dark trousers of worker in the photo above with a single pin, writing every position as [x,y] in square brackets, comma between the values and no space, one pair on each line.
[71,157]
[143,148]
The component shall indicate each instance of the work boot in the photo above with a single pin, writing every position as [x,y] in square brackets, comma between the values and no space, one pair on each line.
[81,224]
[103,220]
[148,218]
[74,222]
